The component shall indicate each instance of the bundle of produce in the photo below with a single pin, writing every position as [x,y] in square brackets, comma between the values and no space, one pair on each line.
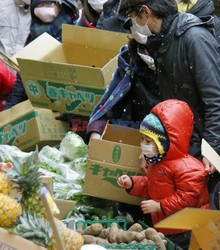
[36,228]
[97,234]
[66,165]
[10,209]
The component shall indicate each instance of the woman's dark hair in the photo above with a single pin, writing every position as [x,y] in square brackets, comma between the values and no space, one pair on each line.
[162,8]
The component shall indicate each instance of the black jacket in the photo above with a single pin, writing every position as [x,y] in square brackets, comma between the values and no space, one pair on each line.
[188,66]
[108,19]
[204,8]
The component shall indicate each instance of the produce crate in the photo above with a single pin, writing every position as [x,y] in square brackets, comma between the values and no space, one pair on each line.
[122,223]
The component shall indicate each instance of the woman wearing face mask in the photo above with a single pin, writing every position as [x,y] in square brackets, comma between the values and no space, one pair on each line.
[174,179]
[47,16]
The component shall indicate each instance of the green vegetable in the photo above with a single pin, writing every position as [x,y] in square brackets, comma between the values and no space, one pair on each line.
[73,146]
[52,153]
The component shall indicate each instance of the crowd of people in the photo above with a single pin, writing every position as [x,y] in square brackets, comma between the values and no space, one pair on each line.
[169,71]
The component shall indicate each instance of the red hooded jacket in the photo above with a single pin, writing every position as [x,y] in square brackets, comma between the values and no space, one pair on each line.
[7,80]
[179,180]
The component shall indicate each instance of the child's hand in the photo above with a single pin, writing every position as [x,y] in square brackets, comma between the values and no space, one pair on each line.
[150,206]
[124,181]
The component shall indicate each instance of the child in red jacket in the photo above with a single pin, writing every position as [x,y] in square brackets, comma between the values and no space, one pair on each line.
[7,80]
[173,179]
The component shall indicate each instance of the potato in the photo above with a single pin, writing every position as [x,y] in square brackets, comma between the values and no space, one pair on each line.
[93,229]
[89,239]
[150,232]
[104,233]
[159,242]
[113,232]
[136,228]
[100,241]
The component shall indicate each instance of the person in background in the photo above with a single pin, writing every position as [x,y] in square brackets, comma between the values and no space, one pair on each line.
[15,20]
[47,16]
[7,80]
[102,15]
[173,179]
[201,9]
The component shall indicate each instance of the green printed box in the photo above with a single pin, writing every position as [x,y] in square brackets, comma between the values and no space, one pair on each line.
[71,76]
[117,153]
[24,126]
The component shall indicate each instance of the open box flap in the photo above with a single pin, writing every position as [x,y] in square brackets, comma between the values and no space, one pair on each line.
[61,72]
[13,113]
[39,48]
[108,70]
[121,134]
[188,218]
[100,39]
[210,154]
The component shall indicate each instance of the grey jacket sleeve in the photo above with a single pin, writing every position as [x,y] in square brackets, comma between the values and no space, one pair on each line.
[204,59]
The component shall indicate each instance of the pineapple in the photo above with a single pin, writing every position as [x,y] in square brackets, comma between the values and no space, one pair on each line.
[5,184]
[10,210]
[35,228]
[25,174]
[71,239]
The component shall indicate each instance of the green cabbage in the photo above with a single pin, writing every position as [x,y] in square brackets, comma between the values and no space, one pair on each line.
[73,146]
[52,153]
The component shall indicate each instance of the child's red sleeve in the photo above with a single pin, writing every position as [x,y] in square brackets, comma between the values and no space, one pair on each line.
[140,186]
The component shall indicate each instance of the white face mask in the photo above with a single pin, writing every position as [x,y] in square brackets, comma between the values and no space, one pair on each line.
[47,14]
[148,60]
[142,39]
[97,5]
[143,30]
[148,150]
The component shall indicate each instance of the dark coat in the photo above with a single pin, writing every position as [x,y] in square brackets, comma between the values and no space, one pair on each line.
[188,66]
[108,19]
[67,15]
[204,8]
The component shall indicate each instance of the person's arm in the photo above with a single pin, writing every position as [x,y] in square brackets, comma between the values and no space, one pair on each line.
[139,186]
[204,60]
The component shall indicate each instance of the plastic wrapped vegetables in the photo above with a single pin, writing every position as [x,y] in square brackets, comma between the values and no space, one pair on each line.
[73,146]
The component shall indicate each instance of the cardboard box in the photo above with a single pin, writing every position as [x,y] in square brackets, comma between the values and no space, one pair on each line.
[70,77]
[116,154]
[25,126]
[211,155]
[9,241]
[64,207]
[48,181]
[205,226]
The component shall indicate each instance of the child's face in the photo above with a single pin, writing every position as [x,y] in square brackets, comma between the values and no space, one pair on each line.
[145,140]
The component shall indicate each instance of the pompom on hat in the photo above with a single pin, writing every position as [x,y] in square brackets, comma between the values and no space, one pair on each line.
[152,127]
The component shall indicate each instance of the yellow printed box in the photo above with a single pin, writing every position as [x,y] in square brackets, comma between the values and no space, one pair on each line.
[24,126]
[71,76]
